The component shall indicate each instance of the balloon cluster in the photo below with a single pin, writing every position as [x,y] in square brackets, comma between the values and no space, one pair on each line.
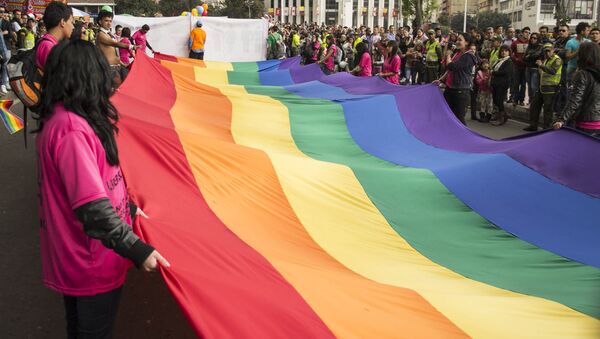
[201,10]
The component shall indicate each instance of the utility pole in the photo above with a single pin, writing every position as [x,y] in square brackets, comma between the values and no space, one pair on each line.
[465,19]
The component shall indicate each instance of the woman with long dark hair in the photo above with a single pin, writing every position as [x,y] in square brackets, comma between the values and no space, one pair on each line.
[391,64]
[86,241]
[327,60]
[583,106]
[458,78]
[363,69]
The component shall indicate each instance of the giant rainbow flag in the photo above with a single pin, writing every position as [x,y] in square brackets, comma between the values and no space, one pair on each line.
[296,205]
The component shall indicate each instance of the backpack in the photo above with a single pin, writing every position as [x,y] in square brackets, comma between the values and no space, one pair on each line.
[25,77]
[338,55]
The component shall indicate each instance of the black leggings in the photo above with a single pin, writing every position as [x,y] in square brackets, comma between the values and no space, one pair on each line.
[197,55]
[458,99]
[92,317]
[498,96]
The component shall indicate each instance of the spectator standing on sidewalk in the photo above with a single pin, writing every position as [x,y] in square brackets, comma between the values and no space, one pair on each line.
[595,35]
[584,102]
[559,49]
[533,53]
[510,36]
[502,73]
[582,30]
[550,73]
[518,48]
[433,56]
[484,97]
[495,52]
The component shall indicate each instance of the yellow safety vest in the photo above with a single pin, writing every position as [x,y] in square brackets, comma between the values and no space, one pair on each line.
[494,56]
[29,40]
[431,47]
[547,79]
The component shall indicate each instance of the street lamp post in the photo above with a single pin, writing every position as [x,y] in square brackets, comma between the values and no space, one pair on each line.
[465,19]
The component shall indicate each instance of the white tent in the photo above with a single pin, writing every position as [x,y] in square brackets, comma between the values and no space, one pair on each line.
[226,39]
[79,13]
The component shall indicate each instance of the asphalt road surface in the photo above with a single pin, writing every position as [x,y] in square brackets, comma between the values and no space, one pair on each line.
[29,310]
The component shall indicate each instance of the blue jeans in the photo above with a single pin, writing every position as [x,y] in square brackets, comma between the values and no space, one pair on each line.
[532,75]
[6,55]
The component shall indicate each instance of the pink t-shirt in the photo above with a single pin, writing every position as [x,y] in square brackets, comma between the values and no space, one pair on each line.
[72,171]
[124,52]
[365,65]
[44,48]
[139,39]
[393,66]
[329,62]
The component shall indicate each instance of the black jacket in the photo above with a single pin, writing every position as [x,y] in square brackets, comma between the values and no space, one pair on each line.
[462,71]
[502,78]
[584,99]
[100,221]
[533,53]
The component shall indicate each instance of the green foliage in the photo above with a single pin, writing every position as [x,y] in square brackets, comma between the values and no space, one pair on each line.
[172,7]
[136,7]
[481,21]
[457,20]
[241,8]
[560,13]
[491,19]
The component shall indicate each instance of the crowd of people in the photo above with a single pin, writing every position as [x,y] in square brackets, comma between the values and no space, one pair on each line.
[479,70]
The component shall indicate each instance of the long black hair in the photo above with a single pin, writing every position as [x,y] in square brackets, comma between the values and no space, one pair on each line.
[588,56]
[394,45]
[78,76]
[77,30]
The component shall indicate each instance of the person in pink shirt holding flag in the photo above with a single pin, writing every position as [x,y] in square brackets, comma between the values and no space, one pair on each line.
[391,64]
[139,39]
[364,67]
[86,241]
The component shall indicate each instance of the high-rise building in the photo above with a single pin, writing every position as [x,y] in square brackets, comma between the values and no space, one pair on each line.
[351,13]
[537,13]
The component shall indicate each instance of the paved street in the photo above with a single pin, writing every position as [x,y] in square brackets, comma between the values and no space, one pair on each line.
[28,310]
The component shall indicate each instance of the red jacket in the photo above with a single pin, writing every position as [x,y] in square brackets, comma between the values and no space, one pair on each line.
[518,48]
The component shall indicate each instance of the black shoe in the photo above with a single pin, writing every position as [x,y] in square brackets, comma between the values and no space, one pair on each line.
[530,129]
[485,118]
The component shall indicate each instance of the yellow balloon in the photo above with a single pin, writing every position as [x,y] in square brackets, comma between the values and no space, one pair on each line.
[194,12]
[184,13]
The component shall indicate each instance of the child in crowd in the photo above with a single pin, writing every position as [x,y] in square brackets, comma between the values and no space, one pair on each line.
[484,98]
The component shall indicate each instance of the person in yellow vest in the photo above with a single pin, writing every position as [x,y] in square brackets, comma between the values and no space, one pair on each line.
[495,51]
[197,41]
[26,36]
[550,72]
[433,57]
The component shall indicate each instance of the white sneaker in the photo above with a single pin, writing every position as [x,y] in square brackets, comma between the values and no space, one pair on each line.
[8,88]
[3,90]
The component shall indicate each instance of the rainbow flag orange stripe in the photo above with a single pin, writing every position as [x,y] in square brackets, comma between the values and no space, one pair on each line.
[12,122]
[291,205]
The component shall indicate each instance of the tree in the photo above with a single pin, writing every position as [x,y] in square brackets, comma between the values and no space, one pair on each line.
[172,7]
[560,13]
[444,19]
[241,8]
[431,7]
[136,7]
[491,19]
[457,20]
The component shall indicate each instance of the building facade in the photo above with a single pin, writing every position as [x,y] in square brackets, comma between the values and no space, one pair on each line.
[451,7]
[351,13]
[537,13]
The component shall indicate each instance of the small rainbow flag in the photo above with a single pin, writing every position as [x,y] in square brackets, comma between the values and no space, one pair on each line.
[12,122]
